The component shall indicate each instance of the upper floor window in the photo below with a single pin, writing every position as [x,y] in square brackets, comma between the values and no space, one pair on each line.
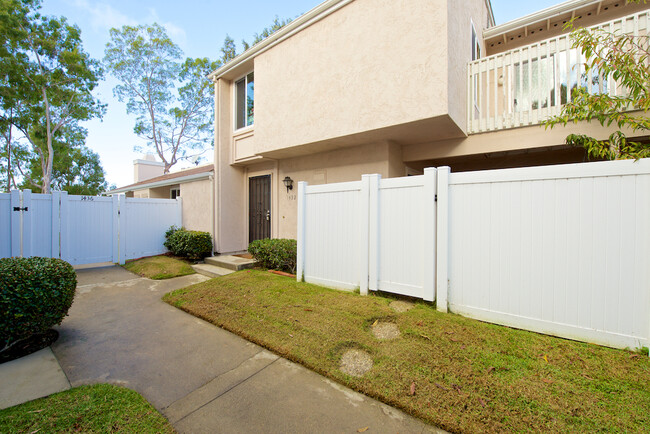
[476,46]
[244,101]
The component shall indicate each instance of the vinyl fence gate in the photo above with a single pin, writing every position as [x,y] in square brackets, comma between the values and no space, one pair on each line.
[84,229]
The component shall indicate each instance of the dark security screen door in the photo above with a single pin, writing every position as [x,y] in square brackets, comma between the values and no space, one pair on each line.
[259,208]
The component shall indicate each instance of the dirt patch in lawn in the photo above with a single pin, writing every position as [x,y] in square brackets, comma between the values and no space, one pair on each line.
[459,374]
[160,267]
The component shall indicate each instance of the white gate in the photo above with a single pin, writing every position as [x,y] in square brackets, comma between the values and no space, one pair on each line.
[373,234]
[84,229]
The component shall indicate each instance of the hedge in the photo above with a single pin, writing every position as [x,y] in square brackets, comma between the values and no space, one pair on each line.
[194,245]
[35,294]
[276,254]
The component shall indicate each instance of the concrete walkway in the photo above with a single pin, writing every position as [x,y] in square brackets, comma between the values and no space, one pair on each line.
[204,379]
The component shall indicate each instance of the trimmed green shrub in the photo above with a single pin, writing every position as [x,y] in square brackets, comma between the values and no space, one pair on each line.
[276,254]
[35,294]
[194,245]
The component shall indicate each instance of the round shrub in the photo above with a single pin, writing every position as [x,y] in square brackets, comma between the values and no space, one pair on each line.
[194,245]
[276,254]
[35,294]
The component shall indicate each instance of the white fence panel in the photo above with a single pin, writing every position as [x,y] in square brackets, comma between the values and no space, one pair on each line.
[5,225]
[87,229]
[406,238]
[561,250]
[39,242]
[143,223]
[333,236]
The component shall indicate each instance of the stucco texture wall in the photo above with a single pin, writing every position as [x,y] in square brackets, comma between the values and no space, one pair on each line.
[329,167]
[372,64]
[197,205]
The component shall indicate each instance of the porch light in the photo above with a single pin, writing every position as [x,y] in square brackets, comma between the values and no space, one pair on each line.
[288,182]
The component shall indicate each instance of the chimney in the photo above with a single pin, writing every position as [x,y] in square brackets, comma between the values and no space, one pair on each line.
[147,168]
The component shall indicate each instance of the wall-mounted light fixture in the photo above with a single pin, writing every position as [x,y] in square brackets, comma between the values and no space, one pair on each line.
[288,182]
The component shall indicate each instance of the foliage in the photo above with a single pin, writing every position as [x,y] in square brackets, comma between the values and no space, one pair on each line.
[97,408]
[276,254]
[194,245]
[159,267]
[35,294]
[172,99]
[76,169]
[268,31]
[46,86]
[228,50]
[625,59]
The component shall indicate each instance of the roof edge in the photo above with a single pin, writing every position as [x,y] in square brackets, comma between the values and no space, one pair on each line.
[536,17]
[162,183]
[307,19]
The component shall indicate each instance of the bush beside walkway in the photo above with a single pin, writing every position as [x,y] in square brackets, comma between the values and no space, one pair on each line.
[457,373]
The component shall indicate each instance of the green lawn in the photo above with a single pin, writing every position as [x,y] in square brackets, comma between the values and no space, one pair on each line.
[159,267]
[468,375]
[100,408]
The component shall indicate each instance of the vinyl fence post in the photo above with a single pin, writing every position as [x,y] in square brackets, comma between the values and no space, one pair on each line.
[442,239]
[429,235]
[115,228]
[364,217]
[27,224]
[179,211]
[373,231]
[121,229]
[56,224]
[16,221]
[64,240]
[300,260]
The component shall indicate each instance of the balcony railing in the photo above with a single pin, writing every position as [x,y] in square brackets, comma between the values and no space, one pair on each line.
[526,85]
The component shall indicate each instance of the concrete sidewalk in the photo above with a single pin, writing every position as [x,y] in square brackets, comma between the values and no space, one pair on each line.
[204,379]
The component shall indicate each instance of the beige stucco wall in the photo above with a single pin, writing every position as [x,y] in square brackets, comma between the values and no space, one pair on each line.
[230,194]
[460,16]
[161,192]
[329,167]
[372,64]
[197,205]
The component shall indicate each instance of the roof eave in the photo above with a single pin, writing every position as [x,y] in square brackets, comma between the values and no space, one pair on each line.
[163,183]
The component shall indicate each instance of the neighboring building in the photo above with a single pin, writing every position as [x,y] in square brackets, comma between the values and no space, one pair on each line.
[195,186]
[392,87]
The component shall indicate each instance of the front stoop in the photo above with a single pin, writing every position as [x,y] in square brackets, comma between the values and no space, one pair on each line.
[230,262]
[211,270]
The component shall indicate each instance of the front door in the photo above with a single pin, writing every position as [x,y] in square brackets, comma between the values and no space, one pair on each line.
[259,207]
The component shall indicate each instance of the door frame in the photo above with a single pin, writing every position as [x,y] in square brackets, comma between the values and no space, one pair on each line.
[252,172]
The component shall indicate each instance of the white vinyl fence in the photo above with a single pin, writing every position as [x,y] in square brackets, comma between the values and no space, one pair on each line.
[562,250]
[84,229]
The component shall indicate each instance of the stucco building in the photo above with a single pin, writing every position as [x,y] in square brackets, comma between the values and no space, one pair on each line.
[391,87]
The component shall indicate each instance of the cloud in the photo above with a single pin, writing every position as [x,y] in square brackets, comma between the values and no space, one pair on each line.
[103,16]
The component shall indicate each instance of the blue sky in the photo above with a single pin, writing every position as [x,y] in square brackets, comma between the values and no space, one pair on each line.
[199,28]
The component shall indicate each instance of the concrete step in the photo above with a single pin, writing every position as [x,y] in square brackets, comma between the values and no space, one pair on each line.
[211,270]
[230,262]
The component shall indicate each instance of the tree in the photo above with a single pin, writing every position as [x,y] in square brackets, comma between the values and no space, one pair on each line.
[625,59]
[228,51]
[46,84]
[268,31]
[76,168]
[147,64]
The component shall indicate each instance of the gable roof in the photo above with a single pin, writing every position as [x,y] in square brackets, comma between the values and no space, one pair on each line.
[169,179]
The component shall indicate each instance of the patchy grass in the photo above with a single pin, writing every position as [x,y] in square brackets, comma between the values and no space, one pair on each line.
[159,267]
[89,409]
[469,376]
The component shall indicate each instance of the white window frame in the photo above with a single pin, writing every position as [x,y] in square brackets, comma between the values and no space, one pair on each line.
[234,99]
[178,193]
[475,54]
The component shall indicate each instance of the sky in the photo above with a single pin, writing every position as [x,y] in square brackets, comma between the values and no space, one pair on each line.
[199,28]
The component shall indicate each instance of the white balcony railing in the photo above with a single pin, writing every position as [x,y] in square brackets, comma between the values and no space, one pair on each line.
[526,85]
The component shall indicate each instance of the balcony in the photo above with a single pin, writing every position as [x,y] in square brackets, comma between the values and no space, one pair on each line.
[526,85]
